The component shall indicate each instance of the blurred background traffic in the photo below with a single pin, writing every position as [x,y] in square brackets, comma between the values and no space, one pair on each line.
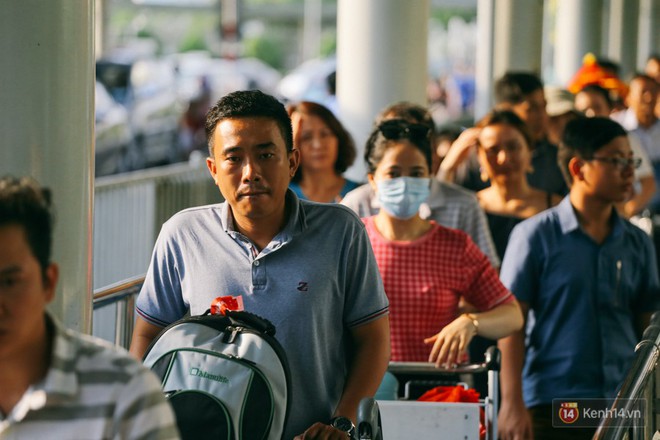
[162,63]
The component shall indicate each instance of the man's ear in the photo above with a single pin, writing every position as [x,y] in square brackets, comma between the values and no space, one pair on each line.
[575,168]
[51,276]
[210,164]
[294,161]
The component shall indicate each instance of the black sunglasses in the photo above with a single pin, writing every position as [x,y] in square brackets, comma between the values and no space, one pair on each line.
[394,129]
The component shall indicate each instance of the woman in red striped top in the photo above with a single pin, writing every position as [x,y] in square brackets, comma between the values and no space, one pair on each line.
[426,267]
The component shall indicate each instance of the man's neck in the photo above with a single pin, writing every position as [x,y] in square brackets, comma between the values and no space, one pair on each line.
[261,231]
[25,368]
[646,121]
[594,216]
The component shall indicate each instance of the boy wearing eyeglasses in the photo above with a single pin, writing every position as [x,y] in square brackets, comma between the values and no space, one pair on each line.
[587,281]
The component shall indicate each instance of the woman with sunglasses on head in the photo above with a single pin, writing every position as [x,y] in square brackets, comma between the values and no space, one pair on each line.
[326,151]
[503,149]
[426,267]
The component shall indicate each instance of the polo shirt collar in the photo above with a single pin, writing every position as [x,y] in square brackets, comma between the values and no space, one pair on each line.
[60,380]
[569,222]
[567,218]
[59,385]
[295,224]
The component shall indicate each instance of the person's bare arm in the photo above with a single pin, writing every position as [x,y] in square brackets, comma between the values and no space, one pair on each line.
[143,333]
[640,200]
[514,422]
[452,341]
[458,153]
[371,355]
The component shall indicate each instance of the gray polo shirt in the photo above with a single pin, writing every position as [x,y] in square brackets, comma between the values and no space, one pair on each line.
[315,280]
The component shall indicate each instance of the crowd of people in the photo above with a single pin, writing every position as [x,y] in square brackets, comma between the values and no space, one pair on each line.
[512,232]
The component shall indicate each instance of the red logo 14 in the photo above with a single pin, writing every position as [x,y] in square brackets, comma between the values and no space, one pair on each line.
[569,412]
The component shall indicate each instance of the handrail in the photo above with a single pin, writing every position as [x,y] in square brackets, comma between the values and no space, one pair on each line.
[123,294]
[646,356]
[117,291]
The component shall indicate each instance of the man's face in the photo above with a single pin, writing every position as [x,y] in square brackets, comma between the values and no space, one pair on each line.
[642,98]
[23,293]
[252,167]
[532,111]
[606,181]
[592,104]
[652,69]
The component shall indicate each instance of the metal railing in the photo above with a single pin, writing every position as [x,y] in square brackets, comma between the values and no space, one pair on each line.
[638,384]
[129,210]
[122,296]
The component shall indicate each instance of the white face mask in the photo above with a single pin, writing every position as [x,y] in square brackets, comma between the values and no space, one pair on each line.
[401,197]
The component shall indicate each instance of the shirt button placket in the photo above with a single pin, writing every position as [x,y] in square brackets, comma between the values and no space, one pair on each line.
[258,274]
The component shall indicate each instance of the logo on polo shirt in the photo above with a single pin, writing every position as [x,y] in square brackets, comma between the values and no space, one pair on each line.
[203,374]
[302,286]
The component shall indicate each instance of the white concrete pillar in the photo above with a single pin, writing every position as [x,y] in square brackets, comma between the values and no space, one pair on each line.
[47,129]
[312,29]
[484,59]
[622,34]
[381,59]
[518,36]
[649,31]
[577,32]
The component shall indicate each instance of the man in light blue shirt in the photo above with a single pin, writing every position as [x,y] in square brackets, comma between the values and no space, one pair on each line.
[588,279]
[307,267]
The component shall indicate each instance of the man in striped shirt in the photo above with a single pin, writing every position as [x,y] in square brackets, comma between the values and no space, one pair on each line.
[55,383]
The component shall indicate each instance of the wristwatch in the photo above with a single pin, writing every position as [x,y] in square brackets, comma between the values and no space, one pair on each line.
[343,424]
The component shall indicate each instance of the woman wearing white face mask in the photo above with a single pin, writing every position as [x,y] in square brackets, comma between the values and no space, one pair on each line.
[426,267]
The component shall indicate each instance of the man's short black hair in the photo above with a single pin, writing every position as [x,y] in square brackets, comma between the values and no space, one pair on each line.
[331,82]
[248,104]
[26,204]
[514,87]
[583,137]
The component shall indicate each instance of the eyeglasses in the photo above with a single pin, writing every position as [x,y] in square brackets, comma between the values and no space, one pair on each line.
[620,163]
[394,129]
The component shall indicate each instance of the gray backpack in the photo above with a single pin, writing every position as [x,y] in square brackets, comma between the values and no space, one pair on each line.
[226,377]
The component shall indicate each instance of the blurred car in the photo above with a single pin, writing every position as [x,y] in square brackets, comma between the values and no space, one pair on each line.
[113,136]
[260,75]
[202,79]
[146,87]
[308,81]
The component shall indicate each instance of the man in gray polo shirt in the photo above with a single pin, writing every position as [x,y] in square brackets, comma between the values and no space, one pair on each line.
[306,267]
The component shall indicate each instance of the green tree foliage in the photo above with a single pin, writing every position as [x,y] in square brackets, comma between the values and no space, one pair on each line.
[266,49]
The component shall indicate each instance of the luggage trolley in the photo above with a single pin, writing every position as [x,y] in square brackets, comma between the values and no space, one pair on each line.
[404,418]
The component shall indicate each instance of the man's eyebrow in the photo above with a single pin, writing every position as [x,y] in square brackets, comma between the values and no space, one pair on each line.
[11,270]
[230,150]
[264,146]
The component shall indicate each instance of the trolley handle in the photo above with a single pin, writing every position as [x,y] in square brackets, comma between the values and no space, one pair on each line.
[491,363]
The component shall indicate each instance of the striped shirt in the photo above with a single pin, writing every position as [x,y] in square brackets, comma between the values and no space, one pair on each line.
[92,390]
[424,280]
